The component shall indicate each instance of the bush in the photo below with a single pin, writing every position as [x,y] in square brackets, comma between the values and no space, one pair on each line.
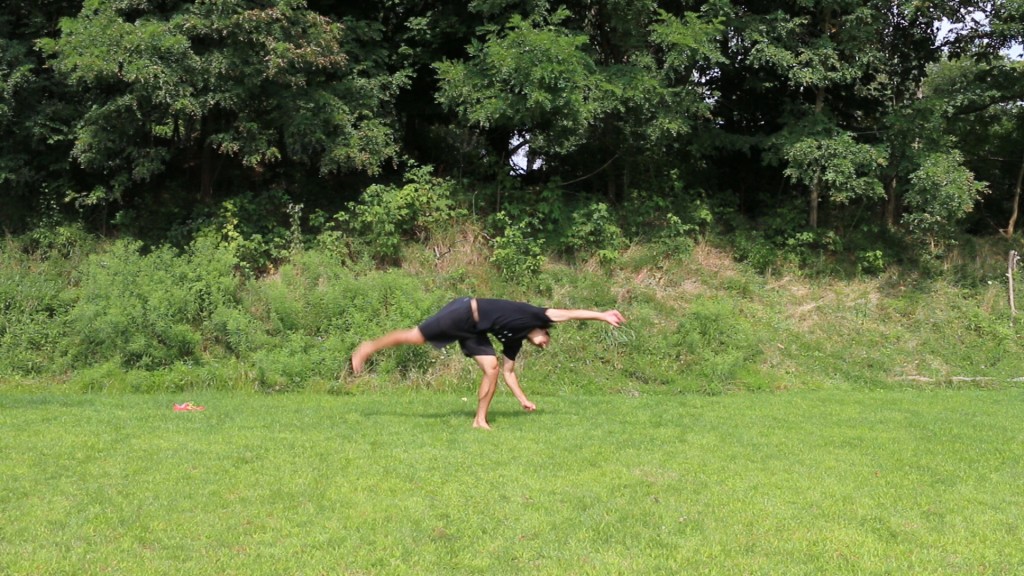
[871,262]
[60,241]
[755,250]
[256,230]
[387,215]
[594,232]
[147,311]
[34,304]
[516,253]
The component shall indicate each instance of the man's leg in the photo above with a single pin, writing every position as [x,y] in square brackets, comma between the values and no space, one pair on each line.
[410,337]
[488,385]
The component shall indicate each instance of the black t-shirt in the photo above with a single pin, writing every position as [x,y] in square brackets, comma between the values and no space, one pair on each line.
[510,322]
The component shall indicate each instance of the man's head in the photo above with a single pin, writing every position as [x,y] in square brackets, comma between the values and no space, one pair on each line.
[539,337]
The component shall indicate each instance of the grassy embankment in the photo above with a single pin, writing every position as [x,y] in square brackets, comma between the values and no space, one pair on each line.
[111,317]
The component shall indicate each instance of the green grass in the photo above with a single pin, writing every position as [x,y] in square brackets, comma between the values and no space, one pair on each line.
[803,482]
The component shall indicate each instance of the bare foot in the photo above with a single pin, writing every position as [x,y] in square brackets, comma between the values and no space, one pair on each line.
[481,425]
[359,358]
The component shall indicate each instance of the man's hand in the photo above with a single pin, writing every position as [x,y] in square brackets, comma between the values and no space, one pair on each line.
[529,406]
[613,317]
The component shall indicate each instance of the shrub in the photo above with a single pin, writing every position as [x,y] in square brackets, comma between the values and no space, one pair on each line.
[675,237]
[387,215]
[147,311]
[257,230]
[517,255]
[58,240]
[594,232]
[871,262]
[33,308]
[755,250]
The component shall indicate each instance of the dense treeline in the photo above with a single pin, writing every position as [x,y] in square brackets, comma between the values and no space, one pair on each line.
[808,124]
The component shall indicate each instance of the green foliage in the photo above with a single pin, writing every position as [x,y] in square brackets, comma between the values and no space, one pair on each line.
[674,223]
[303,324]
[871,262]
[126,318]
[784,242]
[593,231]
[35,109]
[134,116]
[554,95]
[257,230]
[34,301]
[387,215]
[147,311]
[942,191]
[259,83]
[676,237]
[16,78]
[517,252]
[840,166]
[51,240]
[207,125]
[754,249]
[678,98]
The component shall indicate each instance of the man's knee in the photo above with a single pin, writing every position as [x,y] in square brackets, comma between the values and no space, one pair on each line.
[489,365]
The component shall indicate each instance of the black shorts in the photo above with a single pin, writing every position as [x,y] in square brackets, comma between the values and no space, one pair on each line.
[454,323]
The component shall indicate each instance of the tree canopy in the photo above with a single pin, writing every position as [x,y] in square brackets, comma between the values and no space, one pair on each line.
[789,116]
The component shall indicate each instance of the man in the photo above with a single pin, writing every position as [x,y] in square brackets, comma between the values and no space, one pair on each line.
[468,321]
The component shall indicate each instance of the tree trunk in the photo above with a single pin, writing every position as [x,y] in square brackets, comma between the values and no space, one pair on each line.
[206,174]
[206,158]
[815,199]
[812,219]
[1016,202]
[819,108]
[890,203]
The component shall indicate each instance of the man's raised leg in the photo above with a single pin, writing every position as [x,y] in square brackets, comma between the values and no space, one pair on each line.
[410,337]
[488,385]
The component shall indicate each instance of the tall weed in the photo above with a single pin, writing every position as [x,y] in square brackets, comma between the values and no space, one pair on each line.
[34,302]
[147,311]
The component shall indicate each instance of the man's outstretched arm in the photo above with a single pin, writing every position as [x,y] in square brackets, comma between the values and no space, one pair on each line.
[613,317]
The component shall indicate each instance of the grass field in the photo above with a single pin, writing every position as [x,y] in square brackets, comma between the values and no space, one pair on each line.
[805,482]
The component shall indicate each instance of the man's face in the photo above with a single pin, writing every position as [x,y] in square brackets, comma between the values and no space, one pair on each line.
[539,337]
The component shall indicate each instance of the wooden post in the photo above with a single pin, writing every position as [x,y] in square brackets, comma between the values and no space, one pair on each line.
[1011,266]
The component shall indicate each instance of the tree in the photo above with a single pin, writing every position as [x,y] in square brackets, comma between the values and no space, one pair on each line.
[531,78]
[986,120]
[605,94]
[202,84]
[807,61]
[34,106]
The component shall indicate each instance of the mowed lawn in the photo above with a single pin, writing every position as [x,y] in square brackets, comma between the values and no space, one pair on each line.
[815,482]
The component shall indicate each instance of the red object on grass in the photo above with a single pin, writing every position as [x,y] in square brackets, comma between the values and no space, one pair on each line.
[188,407]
